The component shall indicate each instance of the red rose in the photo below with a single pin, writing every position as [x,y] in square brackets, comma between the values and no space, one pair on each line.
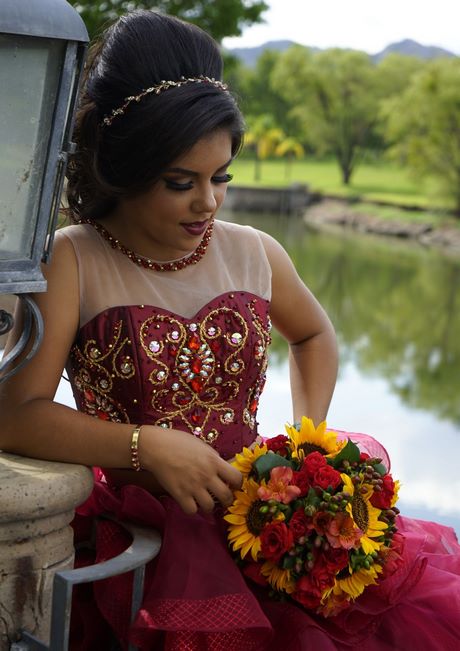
[300,479]
[321,575]
[276,539]
[278,444]
[335,558]
[382,499]
[252,571]
[307,593]
[299,524]
[312,462]
[363,456]
[326,476]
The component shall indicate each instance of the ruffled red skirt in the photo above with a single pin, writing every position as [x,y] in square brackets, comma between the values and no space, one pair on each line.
[196,599]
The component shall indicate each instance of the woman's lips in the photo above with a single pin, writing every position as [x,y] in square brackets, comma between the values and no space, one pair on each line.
[195,228]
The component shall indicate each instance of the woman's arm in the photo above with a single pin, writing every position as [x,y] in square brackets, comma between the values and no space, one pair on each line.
[301,320]
[34,425]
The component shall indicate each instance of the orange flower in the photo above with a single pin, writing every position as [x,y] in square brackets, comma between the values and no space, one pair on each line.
[334,604]
[342,532]
[278,487]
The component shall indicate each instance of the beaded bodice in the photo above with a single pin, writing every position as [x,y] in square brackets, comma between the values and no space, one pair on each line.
[202,373]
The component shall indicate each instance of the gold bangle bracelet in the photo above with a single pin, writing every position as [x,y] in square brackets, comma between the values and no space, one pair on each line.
[135,463]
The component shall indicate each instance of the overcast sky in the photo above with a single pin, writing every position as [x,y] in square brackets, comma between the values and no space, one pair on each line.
[368,25]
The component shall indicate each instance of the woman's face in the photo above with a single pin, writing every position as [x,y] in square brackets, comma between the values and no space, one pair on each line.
[169,221]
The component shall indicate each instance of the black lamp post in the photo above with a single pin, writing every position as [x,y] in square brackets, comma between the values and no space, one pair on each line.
[42,46]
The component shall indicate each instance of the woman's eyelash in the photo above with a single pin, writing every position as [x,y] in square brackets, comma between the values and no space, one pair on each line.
[226,178]
[175,185]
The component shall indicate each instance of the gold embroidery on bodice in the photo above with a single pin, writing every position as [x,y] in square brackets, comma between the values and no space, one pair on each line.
[205,374]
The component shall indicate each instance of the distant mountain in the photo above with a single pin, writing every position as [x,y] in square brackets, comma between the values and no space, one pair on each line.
[413,49]
[249,55]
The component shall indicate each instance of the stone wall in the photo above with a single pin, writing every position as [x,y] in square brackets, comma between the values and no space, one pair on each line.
[37,502]
[291,200]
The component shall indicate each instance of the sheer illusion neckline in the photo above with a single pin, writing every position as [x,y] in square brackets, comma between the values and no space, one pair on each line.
[148,263]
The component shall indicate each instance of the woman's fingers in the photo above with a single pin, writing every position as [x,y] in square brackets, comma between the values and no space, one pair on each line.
[205,500]
[230,475]
[221,492]
[187,504]
[189,470]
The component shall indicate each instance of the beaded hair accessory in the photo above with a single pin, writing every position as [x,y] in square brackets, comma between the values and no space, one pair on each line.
[160,88]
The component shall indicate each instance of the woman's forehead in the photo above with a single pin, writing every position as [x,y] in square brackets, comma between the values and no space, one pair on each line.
[214,150]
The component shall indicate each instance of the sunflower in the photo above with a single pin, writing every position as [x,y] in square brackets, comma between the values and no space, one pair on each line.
[365,516]
[246,520]
[310,439]
[395,497]
[353,584]
[243,461]
[278,578]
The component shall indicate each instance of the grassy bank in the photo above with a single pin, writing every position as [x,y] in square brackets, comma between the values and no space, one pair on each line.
[371,182]
[366,216]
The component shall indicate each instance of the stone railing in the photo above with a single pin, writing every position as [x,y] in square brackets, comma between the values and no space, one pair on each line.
[288,200]
[37,502]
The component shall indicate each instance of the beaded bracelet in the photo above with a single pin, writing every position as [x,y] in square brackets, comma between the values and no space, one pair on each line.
[135,463]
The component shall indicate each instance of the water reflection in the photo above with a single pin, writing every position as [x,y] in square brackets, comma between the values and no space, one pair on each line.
[396,310]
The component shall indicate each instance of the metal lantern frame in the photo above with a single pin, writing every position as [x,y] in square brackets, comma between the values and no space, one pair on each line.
[56,19]
[51,20]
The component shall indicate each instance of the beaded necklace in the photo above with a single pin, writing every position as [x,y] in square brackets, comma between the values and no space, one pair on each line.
[175,265]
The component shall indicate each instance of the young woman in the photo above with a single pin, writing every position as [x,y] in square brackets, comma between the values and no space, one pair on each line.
[161,315]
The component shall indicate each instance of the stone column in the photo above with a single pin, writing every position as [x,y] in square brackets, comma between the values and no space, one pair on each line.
[37,502]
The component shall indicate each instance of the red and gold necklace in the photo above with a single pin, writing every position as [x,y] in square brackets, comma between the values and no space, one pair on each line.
[174,265]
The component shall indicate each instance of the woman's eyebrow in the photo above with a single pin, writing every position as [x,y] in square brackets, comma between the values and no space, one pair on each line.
[185,172]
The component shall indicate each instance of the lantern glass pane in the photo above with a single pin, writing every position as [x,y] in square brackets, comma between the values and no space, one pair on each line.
[29,81]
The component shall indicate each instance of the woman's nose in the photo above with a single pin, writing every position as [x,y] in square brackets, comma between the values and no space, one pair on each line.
[205,200]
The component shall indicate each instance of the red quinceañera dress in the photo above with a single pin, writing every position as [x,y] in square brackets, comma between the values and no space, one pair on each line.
[187,348]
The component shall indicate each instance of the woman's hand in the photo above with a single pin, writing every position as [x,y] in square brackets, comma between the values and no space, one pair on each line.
[188,469]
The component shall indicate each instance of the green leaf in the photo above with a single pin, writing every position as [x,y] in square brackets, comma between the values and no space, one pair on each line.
[380,468]
[266,462]
[297,504]
[312,498]
[288,562]
[350,452]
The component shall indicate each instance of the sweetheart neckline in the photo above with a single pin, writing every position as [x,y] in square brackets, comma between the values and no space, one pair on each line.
[231,294]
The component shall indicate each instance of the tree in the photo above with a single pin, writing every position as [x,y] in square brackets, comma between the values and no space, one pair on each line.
[220,19]
[259,96]
[289,148]
[263,136]
[423,125]
[395,73]
[335,95]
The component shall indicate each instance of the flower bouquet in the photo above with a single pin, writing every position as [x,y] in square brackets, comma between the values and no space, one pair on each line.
[315,518]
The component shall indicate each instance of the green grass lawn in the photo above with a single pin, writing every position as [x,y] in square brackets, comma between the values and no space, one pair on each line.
[372,182]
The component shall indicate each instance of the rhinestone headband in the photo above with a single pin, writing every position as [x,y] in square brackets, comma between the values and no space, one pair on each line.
[159,88]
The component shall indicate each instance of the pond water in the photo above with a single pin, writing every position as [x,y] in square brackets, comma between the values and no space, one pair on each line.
[396,310]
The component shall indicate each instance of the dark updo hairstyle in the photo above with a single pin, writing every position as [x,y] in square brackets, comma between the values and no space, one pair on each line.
[127,157]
